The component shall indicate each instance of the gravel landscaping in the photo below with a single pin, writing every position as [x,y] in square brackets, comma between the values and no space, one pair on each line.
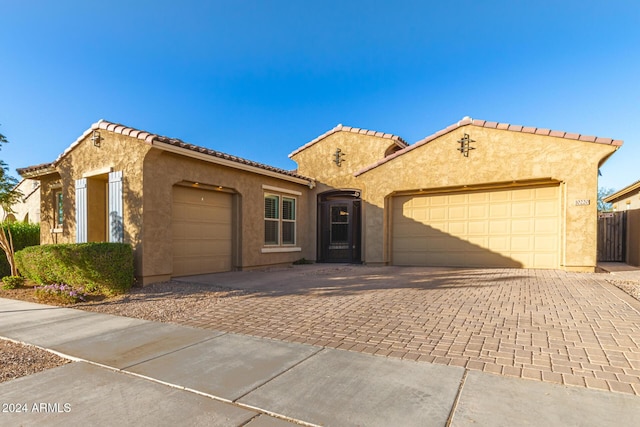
[19,360]
[632,288]
[163,302]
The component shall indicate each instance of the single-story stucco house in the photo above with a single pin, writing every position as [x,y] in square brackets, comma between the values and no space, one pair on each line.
[27,209]
[476,193]
[626,198]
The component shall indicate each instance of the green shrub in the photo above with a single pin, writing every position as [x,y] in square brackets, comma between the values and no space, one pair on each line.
[23,235]
[12,282]
[105,267]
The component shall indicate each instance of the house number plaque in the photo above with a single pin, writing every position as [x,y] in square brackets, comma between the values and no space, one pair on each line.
[583,202]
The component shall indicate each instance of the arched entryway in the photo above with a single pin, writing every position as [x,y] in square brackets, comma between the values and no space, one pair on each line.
[339,226]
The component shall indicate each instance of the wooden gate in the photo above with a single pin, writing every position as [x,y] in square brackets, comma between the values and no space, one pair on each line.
[612,233]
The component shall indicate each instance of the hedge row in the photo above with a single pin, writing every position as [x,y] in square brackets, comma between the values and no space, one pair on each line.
[105,267]
[23,235]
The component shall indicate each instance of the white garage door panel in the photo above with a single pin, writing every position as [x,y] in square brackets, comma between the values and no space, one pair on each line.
[505,228]
[201,231]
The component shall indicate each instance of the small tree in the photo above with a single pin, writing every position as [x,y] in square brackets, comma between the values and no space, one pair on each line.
[602,194]
[9,195]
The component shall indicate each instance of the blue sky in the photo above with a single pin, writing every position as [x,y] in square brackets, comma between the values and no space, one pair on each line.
[258,79]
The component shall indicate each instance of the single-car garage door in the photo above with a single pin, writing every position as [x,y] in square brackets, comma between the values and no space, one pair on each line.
[502,228]
[201,231]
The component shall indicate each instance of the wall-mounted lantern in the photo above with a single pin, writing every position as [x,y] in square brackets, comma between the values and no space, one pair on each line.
[338,157]
[96,138]
[465,145]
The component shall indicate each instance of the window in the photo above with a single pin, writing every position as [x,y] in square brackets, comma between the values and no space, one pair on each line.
[339,230]
[279,220]
[271,220]
[58,209]
[288,221]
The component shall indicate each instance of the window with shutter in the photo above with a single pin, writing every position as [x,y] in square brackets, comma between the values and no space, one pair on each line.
[279,220]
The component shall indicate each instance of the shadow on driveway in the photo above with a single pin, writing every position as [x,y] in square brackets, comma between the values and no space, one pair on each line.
[347,279]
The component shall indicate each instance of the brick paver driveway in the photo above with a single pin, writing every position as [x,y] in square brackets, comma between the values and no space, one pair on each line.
[569,328]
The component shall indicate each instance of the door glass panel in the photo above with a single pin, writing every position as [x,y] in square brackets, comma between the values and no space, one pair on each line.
[339,238]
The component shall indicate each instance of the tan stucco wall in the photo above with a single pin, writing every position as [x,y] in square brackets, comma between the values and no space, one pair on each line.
[359,151]
[499,156]
[117,153]
[48,185]
[163,170]
[97,209]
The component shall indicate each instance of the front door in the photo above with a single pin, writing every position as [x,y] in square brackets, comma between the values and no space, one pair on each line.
[339,227]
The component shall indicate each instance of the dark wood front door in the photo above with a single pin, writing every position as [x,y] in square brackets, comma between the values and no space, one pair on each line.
[339,227]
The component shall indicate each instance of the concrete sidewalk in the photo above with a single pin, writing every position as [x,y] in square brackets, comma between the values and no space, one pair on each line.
[136,372]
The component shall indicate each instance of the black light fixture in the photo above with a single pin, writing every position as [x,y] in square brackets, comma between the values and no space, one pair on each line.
[96,139]
[338,157]
[465,145]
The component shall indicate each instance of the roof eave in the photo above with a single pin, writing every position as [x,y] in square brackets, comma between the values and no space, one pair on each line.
[37,171]
[230,163]
[622,193]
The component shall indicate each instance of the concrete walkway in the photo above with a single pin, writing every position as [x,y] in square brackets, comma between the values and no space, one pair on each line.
[620,270]
[136,372]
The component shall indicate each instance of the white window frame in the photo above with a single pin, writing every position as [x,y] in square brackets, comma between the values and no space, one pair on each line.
[280,246]
[58,219]
[289,221]
[277,219]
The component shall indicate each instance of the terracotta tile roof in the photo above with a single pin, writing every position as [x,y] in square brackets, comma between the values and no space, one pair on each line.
[224,156]
[150,138]
[399,141]
[37,170]
[621,194]
[467,121]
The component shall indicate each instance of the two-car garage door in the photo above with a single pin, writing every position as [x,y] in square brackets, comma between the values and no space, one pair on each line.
[202,224]
[503,228]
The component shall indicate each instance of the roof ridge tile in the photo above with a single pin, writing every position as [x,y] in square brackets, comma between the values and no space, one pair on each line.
[149,138]
[219,154]
[587,138]
[340,128]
